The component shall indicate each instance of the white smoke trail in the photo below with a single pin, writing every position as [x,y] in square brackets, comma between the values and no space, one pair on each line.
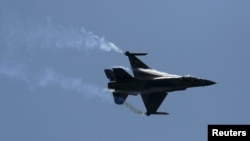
[22,56]
[48,77]
[49,35]
[14,71]
[133,109]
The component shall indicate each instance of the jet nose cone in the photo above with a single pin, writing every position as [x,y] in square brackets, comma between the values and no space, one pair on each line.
[209,82]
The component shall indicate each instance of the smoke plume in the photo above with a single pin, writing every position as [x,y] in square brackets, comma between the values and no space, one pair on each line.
[26,45]
[132,108]
[49,35]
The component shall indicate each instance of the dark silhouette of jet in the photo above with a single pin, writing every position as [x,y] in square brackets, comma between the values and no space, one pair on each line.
[152,85]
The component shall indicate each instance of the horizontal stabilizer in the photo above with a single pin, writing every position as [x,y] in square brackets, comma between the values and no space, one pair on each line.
[121,74]
[110,74]
[127,53]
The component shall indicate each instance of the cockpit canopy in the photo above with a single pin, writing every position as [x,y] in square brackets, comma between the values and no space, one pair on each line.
[190,78]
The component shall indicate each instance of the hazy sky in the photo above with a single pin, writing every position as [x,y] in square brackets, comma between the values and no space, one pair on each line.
[53,53]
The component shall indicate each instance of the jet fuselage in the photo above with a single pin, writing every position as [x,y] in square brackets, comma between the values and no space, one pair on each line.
[160,84]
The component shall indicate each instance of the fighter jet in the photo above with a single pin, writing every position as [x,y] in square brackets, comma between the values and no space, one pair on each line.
[152,85]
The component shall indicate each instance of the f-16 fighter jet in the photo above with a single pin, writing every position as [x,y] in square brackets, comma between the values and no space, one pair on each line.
[152,85]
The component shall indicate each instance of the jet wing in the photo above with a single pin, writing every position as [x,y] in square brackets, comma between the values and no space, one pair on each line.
[153,101]
[137,64]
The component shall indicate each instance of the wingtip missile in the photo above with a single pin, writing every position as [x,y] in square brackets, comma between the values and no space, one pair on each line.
[156,113]
[127,53]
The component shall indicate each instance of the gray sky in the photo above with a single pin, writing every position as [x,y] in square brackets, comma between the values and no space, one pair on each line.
[52,56]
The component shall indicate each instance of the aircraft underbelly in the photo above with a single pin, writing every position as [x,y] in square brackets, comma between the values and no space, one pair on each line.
[162,86]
